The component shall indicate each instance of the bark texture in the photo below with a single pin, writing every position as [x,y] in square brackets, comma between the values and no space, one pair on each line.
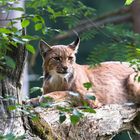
[104,125]
[13,121]
[9,92]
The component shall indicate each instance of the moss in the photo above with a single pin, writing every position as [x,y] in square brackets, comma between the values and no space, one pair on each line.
[42,129]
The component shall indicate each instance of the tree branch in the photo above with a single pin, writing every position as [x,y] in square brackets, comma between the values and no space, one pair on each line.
[108,121]
[120,16]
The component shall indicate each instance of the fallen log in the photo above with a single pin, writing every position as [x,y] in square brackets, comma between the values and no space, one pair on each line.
[108,121]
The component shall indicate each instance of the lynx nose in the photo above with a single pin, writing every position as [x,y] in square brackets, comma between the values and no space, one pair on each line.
[65,69]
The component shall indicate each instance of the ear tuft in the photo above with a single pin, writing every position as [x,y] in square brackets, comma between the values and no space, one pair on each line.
[44,47]
[75,45]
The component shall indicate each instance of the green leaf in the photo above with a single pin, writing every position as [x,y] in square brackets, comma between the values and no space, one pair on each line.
[50,10]
[128,2]
[77,113]
[11,107]
[25,23]
[49,99]
[35,89]
[16,8]
[44,30]
[45,105]
[38,26]
[138,78]
[10,62]
[13,43]
[38,18]
[74,119]
[63,109]
[29,37]
[62,117]
[30,48]
[90,97]
[4,30]
[89,109]
[18,40]
[35,118]
[87,85]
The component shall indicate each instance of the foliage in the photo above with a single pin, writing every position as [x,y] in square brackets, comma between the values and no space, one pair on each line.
[128,2]
[71,14]
[35,89]
[10,35]
[87,85]
[75,114]
[122,45]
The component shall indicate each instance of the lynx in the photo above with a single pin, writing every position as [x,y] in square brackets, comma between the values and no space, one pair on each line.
[112,82]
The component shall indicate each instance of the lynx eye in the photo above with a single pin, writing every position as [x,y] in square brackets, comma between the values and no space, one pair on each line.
[57,58]
[70,58]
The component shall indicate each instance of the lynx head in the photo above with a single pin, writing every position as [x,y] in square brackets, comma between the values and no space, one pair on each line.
[59,59]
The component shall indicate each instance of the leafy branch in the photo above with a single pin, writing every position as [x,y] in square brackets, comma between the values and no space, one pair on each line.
[120,16]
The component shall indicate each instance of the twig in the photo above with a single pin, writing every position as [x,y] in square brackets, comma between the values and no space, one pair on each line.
[18,18]
[129,135]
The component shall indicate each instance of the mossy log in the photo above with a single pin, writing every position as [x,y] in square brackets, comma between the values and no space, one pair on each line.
[108,121]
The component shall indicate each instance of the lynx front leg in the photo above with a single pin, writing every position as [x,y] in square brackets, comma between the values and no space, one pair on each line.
[56,96]
[73,98]
[86,96]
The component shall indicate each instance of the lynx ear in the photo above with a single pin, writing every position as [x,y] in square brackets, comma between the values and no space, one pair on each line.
[75,45]
[44,47]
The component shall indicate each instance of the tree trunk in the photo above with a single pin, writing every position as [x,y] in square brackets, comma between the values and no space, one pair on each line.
[12,121]
[10,86]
